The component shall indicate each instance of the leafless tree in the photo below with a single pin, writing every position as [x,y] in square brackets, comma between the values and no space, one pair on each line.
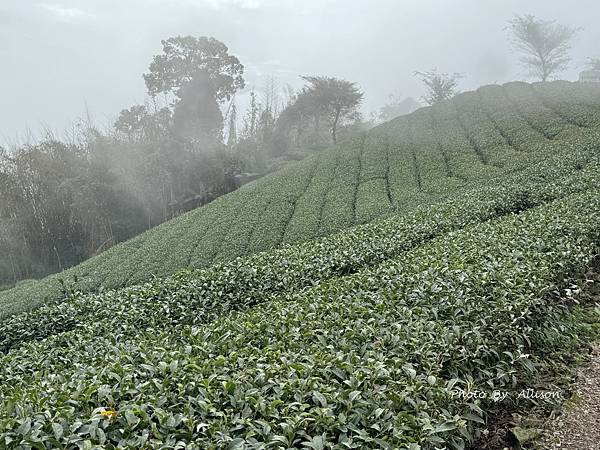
[544,45]
[440,86]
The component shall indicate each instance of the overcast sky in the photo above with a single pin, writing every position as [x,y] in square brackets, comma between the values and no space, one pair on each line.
[60,58]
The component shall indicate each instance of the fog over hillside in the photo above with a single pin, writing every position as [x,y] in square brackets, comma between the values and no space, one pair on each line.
[319,224]
[62,59]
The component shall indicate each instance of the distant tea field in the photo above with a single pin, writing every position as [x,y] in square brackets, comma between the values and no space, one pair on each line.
[412,161]
[340,302]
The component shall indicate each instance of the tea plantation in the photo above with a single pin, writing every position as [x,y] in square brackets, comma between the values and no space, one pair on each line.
[412,161]
[339,303]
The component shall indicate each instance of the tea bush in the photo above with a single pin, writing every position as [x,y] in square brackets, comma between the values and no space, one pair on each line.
[366,360]
[337,303]
[412,161]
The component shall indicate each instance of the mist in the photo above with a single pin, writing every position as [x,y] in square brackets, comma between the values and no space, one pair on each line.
[319,224]
[67,59]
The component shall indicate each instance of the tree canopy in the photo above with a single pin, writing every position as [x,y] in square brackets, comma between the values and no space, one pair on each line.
[197,115]
[138,123]
[322,99]
[544,45]
[440,86]
[338,99]
[184,56]
[63,202]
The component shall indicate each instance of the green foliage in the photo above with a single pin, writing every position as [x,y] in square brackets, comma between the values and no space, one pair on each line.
[184,56]
[417,160]
[254,278]
[367,360]
[336,99]
[137,123]
[322,101]
[197,115]
[460,223]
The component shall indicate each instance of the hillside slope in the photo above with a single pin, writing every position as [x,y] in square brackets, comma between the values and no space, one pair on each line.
[360,340]
[364,338]
[414,160]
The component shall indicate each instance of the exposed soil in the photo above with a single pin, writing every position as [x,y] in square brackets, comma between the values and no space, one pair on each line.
[579,427]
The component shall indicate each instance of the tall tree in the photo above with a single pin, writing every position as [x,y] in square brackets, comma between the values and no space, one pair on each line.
[339,99]
[440,86]
[251,117]
[63,202]
[232,128]
[544,44]
[137,123]
[184,56]
[197,116]
[295,118]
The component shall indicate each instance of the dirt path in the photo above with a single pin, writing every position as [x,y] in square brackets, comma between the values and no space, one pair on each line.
[579,427]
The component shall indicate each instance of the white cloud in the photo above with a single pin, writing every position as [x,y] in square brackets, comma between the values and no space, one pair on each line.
[247,4]
[218,4]
[66,13]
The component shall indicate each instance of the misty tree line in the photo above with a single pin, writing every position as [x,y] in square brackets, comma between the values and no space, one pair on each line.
[66,200]
[543,46]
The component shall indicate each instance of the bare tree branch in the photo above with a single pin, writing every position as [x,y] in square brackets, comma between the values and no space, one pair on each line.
[440,86]
[544,45]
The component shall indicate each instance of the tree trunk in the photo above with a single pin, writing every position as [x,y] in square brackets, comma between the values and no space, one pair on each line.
[60,268]
[334,127]
[12,263]
[544,65]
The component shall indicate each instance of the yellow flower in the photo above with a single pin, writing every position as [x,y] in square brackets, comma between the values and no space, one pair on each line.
[110,414]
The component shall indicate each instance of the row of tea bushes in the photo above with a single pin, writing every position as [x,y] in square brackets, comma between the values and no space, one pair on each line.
[412,161]
[246,281]
[370,360]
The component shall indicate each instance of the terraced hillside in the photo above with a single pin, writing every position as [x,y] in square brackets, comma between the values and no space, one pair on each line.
[361,338]
[412,161]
